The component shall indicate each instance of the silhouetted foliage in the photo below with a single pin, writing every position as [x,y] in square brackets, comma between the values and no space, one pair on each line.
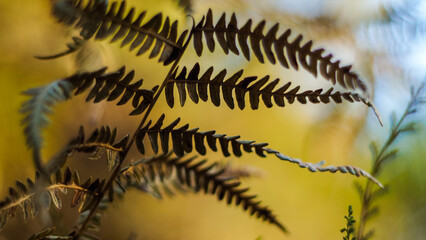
[101,20]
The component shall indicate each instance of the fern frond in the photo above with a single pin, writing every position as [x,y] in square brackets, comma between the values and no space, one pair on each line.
[196,176]
[198,88]
[31,196]
[147,174]
[94,224]
[110,86]
[72,47]
[157,178]
[97,20]
[106,87]
[288,52]
[36,110]
[102,139]
[185,139]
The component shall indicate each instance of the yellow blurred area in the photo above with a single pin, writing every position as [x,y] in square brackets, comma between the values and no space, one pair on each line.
[310,205]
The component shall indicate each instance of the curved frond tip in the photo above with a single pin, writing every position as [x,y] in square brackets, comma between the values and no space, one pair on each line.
[184,140]
[317,167]
[200,85]
[110,87]
[39,106]
[72,47]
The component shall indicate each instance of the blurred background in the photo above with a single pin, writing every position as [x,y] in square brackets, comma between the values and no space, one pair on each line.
[383,39]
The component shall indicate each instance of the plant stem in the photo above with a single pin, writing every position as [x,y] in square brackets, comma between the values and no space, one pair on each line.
[379,160]
[132,140]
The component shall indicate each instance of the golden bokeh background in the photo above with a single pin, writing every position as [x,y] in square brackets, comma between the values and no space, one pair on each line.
[311,205]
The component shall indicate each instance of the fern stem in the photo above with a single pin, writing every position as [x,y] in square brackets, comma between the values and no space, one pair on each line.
[103,145]
[123,154]
[38,162]
[158,93]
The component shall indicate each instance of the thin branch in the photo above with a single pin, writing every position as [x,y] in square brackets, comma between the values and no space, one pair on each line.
[380,157]
[123,155]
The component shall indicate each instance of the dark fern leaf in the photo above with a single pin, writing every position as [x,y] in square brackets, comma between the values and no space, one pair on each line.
[107,87]
[198,87]
[151,175]
[113,193]
[97,20]
[72,47]
[184,140]
[111,86]
[103,139]
[276,48]
[198,177]
[32,196]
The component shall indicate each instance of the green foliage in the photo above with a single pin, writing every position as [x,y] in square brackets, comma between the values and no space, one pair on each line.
[350,225]
[382,156]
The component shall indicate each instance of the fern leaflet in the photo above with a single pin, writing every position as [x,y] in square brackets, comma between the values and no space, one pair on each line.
[184,140]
